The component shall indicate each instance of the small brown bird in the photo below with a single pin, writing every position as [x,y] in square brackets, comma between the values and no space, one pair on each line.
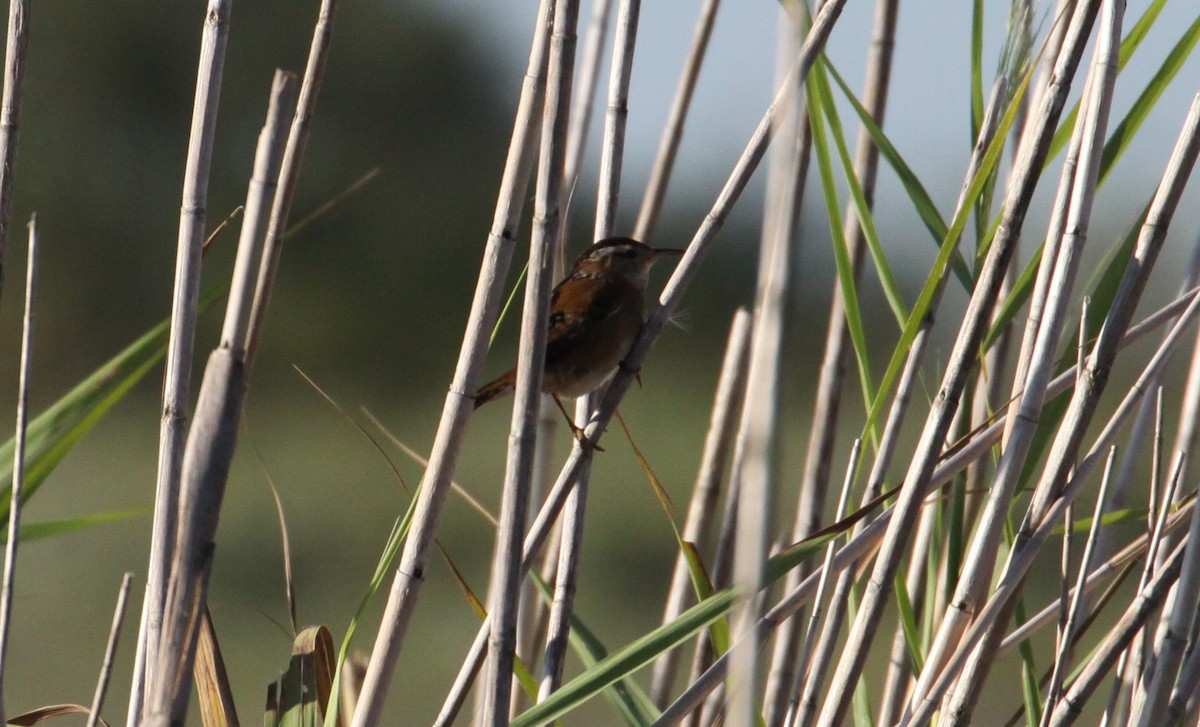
[595,313]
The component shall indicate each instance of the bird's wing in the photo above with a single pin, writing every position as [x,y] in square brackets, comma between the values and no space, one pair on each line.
[591,302]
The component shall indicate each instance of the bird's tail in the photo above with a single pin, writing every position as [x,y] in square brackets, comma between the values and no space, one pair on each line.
[500,387]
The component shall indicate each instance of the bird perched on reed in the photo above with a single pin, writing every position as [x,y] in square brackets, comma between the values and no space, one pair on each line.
[595,313]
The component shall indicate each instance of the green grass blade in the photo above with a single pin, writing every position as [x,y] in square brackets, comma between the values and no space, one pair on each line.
[1125,131]
[382,569]
[50,528]
[976,68]
[866,219]
[987,167]
[845,270]
[629,699]
[917,194]
[626,661]
[52,434]
[908,621]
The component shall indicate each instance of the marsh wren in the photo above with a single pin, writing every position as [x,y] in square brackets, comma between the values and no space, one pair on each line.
[595,313]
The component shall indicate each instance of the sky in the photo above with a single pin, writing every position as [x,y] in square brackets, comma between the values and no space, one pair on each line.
[738,77]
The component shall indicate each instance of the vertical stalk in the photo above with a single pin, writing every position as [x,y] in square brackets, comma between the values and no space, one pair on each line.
[16,57]
[18,480]
[173,428]
[547,218]
[456,412]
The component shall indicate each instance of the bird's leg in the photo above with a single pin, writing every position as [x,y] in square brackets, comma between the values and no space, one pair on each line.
[576,431]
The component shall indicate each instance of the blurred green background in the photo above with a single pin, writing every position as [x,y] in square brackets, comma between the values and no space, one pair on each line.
[371,302]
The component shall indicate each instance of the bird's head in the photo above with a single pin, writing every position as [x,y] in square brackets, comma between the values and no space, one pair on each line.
[621,256]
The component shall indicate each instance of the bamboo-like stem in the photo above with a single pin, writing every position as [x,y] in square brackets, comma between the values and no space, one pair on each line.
[613,151]
[917,582]
[289,173]
[533,617]
[507,573]
[668,147]
[722,577]
[897,670]
[1117,567]
[1071,608]
[713,460]
[589,73]
[1121,693]
[18,478]
[1176,623]
[1118,638]
[826,407]
[1188,431]
[110,651]
[565,583]
[1185,687]
[443,457]
[173,428]
[16,57]
[793,716]
[758,471]
[1132,675]
[1093,378]
[1034,149]
[213,438]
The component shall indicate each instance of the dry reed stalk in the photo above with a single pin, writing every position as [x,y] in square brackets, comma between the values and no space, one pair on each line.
[722,574]
[565,582]
[1128,683]
[613,150]
[794,714]
[110,651]
[1175,625]
[213,437]
[1048,313]
[707,489]
[611,158]
[1034,149]
[899,673]
[827,407]
[1116,566]
[589,73]
[456,412]
[18,478]
[289,173]
[1183,694]
[16,57]
[1188,430]
[1092,380]
[1117,640]
[173,427]
[898,669]
[757,473]
[668,146]
[1071,607]
[507,573]
[532,620]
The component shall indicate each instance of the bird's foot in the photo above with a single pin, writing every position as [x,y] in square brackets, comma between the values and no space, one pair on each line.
[627,369]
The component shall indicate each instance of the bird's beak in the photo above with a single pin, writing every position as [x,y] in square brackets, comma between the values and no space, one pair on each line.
[664,251]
